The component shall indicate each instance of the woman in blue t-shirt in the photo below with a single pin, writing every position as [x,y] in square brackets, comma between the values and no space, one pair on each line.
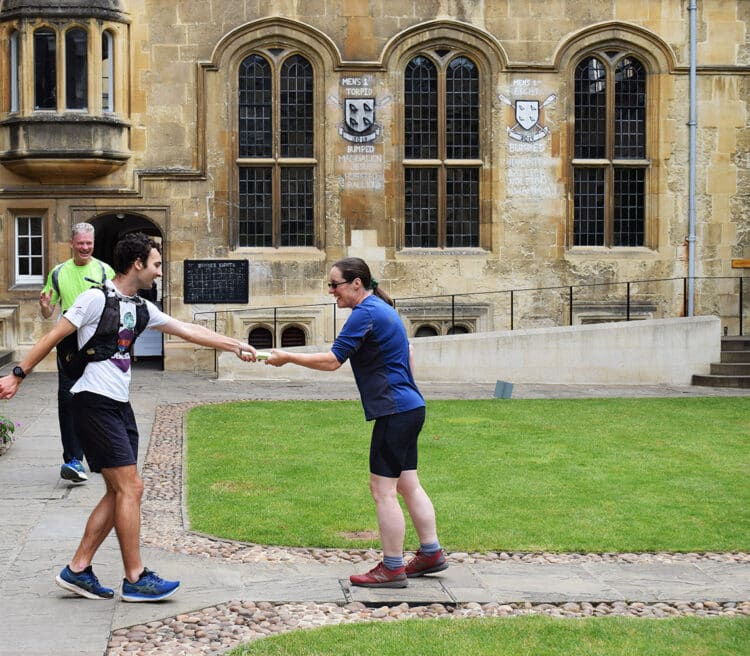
[374,340]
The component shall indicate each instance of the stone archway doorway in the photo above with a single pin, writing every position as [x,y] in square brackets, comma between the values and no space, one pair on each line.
[149,347]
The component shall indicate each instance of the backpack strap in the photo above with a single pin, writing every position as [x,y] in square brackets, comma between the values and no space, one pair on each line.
[74,360]
[141,319]
[55,281]
[56,276]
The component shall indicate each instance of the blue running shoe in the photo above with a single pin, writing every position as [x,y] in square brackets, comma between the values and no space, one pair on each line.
[150,587]
[73,471]
[84,583]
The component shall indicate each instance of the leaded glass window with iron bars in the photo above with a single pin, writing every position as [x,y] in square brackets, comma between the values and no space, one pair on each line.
[442,154]
[610,159]
[277,164]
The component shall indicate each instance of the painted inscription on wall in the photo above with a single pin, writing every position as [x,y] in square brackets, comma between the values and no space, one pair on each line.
[362,162]
[529,171]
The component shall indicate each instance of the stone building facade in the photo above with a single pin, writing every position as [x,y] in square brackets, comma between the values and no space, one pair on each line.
[461,147]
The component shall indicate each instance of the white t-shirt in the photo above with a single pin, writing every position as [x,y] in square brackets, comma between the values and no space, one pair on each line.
[111,377]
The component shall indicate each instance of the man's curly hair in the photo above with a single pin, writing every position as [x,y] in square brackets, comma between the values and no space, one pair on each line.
[133,246]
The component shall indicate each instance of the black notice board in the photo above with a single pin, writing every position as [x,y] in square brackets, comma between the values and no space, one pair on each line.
[216,281]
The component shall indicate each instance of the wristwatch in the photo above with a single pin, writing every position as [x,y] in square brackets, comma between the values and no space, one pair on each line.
[19,373]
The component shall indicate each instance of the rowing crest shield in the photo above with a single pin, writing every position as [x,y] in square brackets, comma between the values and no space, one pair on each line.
[359,120]
[527,113]
[359,114]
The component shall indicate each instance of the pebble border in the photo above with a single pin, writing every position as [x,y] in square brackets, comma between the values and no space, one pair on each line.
[213,630]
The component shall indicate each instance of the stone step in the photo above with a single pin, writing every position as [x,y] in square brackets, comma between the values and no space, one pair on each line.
[741,343]
[730,369]
[710,380]
[735,356]
[6,357]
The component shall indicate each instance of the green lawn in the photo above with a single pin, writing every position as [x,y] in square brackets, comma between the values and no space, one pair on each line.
[518,636]
[516,475]
[529,475]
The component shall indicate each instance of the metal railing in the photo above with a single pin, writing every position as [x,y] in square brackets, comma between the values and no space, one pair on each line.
[722,296]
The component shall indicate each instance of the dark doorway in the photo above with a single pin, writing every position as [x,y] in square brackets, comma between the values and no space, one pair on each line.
[149,347]
[110,227]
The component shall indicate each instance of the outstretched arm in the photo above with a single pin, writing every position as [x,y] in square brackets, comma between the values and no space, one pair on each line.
[197,334]
[320,361]
[9,384]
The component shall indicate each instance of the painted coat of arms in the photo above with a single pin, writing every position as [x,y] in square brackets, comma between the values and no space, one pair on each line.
[359,120]
[527,113]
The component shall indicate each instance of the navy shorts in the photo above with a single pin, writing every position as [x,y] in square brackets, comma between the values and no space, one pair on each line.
[106,429]
[393,448]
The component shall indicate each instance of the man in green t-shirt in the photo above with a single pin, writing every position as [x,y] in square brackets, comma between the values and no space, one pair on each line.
[64,283]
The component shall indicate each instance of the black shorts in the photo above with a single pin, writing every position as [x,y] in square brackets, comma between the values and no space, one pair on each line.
[393,448]
[106,429]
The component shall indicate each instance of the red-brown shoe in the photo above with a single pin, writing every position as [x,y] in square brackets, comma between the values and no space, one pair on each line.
[381,577]
[426,564]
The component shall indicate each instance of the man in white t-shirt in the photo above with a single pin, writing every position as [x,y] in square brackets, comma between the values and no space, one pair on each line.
[104,417]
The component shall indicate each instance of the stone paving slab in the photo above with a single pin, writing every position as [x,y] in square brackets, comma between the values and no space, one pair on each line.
[425,590]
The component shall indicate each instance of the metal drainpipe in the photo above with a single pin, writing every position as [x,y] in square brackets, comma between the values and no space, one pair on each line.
[692,9]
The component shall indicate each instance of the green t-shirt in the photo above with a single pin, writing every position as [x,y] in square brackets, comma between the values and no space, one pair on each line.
[70,280]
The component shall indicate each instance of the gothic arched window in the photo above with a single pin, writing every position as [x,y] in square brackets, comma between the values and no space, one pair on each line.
[442,154]
[76,69]
[610,161]
[276,160]
[45,69]
[108,72]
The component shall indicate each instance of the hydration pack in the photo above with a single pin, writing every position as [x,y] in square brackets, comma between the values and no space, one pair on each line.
[103,344]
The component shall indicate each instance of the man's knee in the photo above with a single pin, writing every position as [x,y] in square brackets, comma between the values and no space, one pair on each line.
[124,481]
[137,487]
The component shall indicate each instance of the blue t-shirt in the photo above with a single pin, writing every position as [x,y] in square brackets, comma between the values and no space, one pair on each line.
[374,340]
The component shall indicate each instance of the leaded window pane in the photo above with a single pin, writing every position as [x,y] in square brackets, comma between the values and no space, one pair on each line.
[297,211]
[590,110]
[256,206]
[421,208]
[255,108]
[609,201]
[297,108]
[14,73]
[45,70]
[630,110]
[629,211]
[108,95]
[588,217]
[76,69]
[420,109]
[462,109]
[462,197]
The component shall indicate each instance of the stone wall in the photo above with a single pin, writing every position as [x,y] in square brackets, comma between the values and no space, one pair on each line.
[178,96]
[650,352]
